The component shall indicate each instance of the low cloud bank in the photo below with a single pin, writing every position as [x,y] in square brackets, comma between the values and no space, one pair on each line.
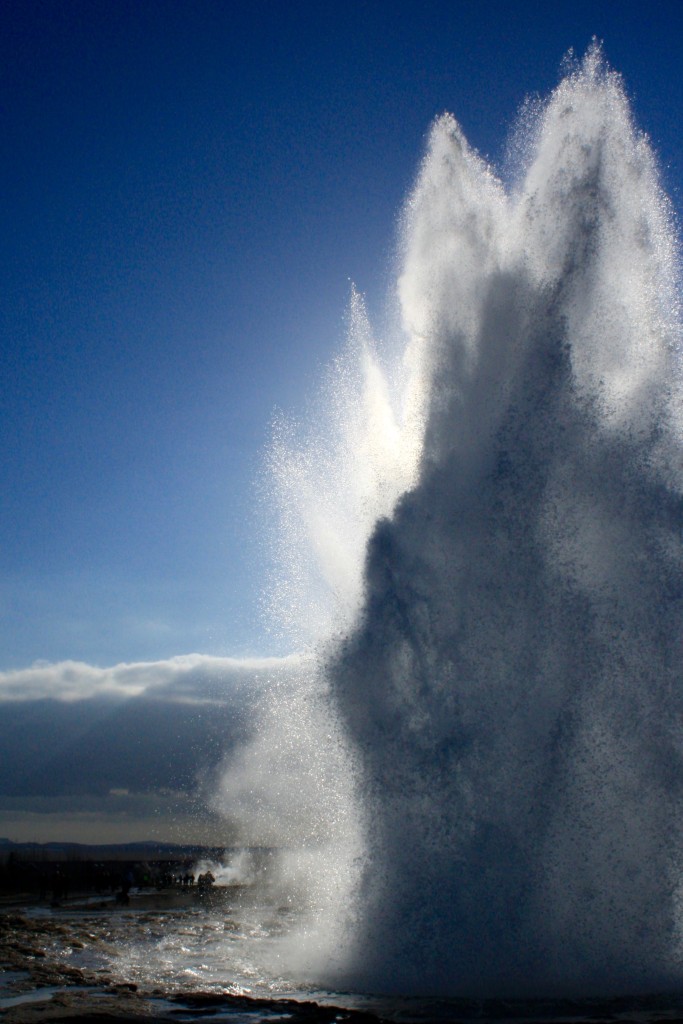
[196,678]
[133,751]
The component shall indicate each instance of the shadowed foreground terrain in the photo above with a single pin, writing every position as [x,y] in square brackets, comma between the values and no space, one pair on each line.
[38,985]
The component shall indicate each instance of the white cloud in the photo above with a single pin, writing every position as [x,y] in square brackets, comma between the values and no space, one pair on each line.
[190,677]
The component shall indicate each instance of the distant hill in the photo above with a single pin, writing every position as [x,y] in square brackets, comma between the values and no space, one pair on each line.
[150,850]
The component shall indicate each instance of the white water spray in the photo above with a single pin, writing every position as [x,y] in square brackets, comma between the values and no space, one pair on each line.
[481,549]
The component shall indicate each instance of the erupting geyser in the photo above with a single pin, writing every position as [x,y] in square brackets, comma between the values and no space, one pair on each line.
[495,512]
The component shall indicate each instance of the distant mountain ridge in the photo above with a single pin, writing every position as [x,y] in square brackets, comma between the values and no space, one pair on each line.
[140,850]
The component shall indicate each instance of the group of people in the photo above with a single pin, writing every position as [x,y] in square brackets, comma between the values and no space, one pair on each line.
[169,880]
[58,880]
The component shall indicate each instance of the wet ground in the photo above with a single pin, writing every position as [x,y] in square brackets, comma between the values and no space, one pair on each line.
[71,963]
[45,953]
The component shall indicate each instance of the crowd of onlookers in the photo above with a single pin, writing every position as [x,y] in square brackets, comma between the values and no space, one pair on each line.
[57,880]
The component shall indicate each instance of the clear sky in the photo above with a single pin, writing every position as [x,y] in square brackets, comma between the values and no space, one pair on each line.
[187,190]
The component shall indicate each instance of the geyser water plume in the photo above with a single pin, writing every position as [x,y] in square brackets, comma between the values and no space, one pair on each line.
[333,477]
[513,690]
[494,577]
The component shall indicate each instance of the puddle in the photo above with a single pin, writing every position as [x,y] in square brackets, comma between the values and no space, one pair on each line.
[37,995]
[10,978]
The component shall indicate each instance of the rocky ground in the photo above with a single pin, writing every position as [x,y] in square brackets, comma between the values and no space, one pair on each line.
[38,987]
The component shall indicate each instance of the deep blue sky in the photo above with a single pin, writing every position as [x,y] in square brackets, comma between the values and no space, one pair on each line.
[186,190]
